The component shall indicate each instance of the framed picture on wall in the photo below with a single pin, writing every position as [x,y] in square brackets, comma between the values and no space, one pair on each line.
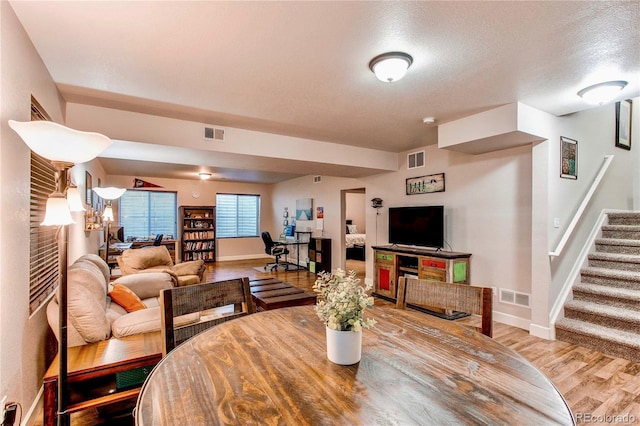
[88,185]
[623,124]
[568,158]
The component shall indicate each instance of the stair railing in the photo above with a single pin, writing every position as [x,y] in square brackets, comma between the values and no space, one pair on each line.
[583,206]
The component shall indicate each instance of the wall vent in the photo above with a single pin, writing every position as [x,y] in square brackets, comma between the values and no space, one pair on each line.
[317,179]
[213,133]
[515,298]
[415,160]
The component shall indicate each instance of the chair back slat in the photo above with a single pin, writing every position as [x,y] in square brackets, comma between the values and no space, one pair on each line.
[187,311]
[449,296]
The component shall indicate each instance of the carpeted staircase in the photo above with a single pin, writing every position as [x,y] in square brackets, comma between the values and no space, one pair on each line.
[605,311]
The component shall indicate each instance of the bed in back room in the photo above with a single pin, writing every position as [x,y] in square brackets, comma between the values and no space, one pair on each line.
[355,242]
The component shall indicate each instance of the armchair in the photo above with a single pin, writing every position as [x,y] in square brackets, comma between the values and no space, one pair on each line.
[275,249]
[157,258]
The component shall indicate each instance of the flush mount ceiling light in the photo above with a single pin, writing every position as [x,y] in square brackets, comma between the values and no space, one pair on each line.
[602,92]
[390,66]
[204,175]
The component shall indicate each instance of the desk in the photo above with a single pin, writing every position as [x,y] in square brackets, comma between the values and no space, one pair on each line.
[271,368]
[115,250]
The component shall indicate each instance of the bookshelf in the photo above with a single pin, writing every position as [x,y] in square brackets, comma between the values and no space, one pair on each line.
[198,233]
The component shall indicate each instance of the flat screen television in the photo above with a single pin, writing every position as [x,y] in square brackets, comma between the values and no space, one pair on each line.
[417,226]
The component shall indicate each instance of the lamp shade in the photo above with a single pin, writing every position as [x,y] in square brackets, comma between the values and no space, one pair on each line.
[109,192]
[74,200]
[57,211]
[56,142]
[107,214]
[391,66]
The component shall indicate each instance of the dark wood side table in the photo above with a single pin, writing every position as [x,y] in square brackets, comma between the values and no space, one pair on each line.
[100,360]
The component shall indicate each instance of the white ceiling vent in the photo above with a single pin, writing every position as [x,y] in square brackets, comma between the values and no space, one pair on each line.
[317,179]
[415,160]
[515,298]
[213,133]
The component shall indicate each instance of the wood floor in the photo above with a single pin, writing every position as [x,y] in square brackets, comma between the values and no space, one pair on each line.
[600,389]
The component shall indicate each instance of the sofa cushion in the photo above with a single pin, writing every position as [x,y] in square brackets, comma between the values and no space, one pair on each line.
[188,280]
[87,314]
[147,284]
[193,267]
[126,298]
[134,260]
[142,321]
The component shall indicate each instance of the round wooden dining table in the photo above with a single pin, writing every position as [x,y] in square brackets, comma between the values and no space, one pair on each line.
[271,368]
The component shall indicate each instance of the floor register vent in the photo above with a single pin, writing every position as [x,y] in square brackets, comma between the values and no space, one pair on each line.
[514,297]
[213,133]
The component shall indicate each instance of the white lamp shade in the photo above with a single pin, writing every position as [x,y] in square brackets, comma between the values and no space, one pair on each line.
[74,199]
[107,214]
[56,142]
[57,212]
[390,67]
[109,192]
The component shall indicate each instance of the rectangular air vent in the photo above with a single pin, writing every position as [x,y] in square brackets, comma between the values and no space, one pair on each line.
[213,133]
[515,298]
[415,160]
[317,179]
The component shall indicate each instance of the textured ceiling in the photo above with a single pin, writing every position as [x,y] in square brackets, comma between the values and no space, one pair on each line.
[301,68]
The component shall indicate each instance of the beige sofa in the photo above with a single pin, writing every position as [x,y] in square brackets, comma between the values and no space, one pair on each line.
[92,315]
[157,258]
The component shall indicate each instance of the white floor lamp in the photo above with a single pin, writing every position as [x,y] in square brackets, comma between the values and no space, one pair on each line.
[108,193]
[64,147]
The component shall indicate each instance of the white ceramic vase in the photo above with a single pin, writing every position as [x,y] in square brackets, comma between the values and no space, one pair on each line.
[344,347]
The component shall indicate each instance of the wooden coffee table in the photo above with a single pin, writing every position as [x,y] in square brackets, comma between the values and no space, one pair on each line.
[272,293]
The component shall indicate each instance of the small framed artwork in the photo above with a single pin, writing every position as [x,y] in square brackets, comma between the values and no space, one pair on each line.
[623,124]
[88,185]
[568,158]
[425,184]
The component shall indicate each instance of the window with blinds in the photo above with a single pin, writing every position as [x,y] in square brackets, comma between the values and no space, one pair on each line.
[43,244]
[144,214]
[237,215]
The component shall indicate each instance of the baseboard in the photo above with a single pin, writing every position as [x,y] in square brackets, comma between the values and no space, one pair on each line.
[511,320]
[542,332]
[243,257]
[36,408]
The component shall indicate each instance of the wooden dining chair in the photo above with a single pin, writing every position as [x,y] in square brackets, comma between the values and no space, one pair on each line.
[448,296]
[189,310]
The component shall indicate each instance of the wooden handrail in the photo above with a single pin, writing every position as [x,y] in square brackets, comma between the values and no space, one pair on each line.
[583,206]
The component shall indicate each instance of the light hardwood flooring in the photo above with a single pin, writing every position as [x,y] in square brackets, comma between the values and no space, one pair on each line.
[600,389]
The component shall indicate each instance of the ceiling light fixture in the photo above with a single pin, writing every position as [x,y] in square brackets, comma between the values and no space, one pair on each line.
[602,92]
[390,66]
[204,175]
[428,120]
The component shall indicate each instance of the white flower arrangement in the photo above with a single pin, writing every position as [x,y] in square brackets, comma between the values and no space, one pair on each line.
[342,301]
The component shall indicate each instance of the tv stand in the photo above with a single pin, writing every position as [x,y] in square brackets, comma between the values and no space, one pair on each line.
[392,261]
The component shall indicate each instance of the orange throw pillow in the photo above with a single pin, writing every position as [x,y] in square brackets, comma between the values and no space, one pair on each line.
[126,298]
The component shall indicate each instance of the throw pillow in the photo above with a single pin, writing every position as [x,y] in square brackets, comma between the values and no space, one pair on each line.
[352,229]
[126,298]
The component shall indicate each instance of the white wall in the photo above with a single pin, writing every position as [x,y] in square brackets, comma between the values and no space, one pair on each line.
[356,210]
[22,336]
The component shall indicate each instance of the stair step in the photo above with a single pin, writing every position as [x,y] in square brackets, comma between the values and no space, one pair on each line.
[615,245]
[629,232]
[607,340]
[623,262]
[624,218]
[610,277]
[601,314]
[614,296]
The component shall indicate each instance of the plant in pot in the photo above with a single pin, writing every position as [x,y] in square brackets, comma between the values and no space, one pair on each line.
[341,305]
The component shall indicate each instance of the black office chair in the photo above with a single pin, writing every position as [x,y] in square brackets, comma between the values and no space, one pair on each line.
[276,249]
[158,240]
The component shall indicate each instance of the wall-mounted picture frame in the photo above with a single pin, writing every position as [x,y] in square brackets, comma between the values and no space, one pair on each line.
[88,185]
[568,158]
[425,184]
[623,124]
[304,209]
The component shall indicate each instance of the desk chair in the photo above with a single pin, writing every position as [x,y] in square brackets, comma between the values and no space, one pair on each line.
[458,297]
[276,249]
[158,240]
[187,311]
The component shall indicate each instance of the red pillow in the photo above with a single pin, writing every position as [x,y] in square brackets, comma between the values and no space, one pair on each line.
[126,298]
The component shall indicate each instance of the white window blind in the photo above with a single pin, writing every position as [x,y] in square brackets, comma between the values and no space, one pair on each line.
[237,215]
[144,214]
